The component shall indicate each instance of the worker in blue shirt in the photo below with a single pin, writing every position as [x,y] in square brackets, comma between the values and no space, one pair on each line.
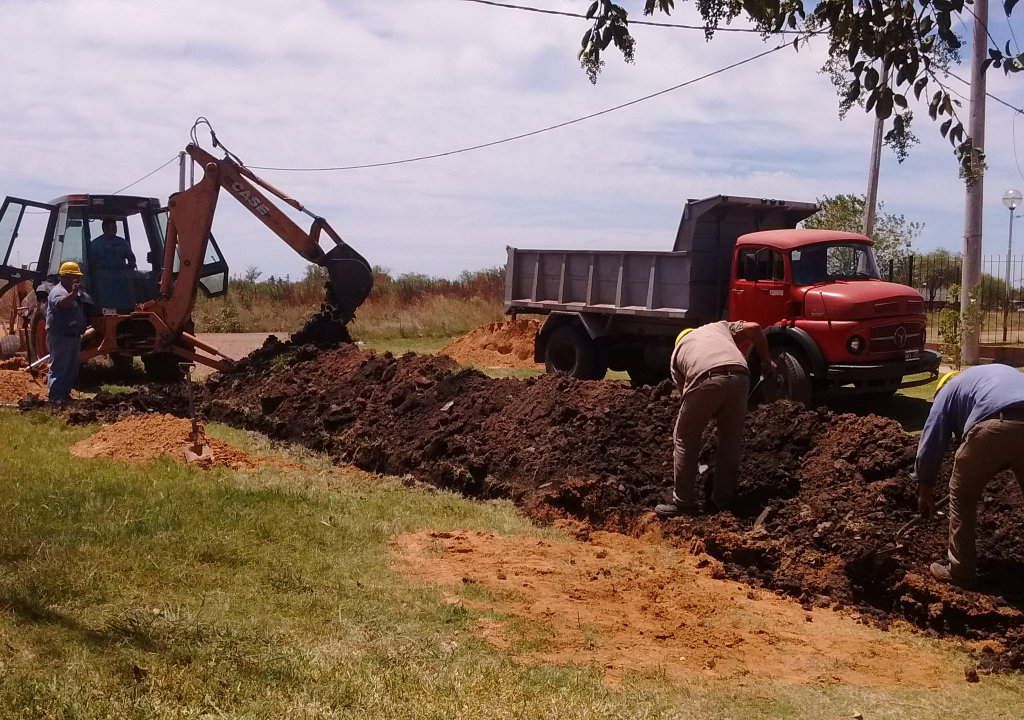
[65,323]
[984,406]
[113,264]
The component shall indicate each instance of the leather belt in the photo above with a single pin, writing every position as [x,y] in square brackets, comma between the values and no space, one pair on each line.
[1010,412]
[726,371]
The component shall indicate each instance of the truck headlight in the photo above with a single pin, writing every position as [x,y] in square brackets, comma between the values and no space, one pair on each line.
[855,344]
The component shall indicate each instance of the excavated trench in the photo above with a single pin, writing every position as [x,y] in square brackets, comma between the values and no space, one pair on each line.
[820,493]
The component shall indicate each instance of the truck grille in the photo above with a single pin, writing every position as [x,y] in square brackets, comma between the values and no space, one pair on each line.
[897,337]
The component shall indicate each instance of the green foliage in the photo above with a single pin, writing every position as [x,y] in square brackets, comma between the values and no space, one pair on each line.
[936,270]
[893,234]
[955,324]
[992,292]
[882,51]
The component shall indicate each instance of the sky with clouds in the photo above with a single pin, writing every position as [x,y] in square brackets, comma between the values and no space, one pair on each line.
[97,94]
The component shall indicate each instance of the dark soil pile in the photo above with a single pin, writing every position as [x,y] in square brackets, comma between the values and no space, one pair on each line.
[820,493]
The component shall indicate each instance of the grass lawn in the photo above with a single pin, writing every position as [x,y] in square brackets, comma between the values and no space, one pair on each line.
[164,591]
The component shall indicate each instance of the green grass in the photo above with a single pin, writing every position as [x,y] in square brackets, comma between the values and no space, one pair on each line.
[163,591]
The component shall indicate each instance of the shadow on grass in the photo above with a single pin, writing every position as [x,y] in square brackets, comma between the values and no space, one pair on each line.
[137,629]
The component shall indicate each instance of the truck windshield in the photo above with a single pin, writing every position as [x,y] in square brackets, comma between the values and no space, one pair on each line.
[833,261]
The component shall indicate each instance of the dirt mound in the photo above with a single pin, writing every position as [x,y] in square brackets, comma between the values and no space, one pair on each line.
[507,344]
[142,438]
[14,363]
[16,384]
[819,493]
[624,605]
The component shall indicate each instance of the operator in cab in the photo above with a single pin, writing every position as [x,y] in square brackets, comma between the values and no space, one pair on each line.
[65,323]
[712,376]
[113,265]
[984,406]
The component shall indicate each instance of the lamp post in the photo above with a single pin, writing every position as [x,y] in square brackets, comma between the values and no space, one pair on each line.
[1011,199]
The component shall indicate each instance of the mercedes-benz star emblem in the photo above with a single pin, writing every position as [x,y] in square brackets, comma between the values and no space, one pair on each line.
[900,336]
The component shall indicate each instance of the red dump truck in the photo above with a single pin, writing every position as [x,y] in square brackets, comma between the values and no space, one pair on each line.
[830,319]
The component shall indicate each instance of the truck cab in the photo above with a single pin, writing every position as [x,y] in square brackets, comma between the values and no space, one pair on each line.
[821,299]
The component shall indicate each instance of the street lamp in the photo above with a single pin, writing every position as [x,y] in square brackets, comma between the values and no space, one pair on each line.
[1011,199]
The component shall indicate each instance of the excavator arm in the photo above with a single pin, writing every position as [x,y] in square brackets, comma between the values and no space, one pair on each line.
[190,218]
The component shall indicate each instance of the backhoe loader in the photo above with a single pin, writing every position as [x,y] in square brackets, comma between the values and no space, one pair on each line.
[152,314]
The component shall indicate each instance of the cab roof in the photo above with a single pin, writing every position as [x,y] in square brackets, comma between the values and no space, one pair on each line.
[791,239]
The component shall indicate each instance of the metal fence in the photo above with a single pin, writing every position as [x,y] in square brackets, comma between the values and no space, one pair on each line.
[1000,297]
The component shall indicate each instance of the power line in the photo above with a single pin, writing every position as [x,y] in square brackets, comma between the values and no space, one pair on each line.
[145,176]
[532,132]
[650,23]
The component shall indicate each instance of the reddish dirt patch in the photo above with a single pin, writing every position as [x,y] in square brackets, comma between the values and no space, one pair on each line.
[16,383]
[625,605]
[143,438]
[507,344]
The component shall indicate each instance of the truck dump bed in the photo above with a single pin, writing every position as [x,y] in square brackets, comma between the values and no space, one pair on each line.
[654,284]
[689,283]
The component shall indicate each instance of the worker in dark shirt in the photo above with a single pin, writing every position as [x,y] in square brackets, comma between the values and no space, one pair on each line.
[984,406]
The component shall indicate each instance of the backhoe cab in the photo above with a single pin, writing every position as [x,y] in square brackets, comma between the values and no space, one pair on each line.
[147,310]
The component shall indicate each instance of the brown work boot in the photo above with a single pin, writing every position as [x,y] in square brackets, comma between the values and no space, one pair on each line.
[940,571]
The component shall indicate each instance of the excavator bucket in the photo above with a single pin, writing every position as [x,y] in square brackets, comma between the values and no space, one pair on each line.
[349,280]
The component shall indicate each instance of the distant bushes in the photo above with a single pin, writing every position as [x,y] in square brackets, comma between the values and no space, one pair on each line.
[408,305]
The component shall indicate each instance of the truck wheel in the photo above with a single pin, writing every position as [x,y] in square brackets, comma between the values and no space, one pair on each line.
[9,345]
[37,347]
[794,383]
[571,350]
[163,367]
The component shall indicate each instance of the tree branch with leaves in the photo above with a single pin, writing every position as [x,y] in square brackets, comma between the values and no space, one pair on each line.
[884,49]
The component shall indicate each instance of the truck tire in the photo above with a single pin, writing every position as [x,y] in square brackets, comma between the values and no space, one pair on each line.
[37,347]
[794,382]
[9,345]
[163,367]
[570,350]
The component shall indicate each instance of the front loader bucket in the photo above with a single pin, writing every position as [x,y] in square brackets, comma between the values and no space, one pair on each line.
[349,278]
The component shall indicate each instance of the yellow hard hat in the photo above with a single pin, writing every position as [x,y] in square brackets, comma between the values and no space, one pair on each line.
[945,379]
[70,268]
[683,334]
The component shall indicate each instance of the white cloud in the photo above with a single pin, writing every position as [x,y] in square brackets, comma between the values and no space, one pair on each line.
[98,94]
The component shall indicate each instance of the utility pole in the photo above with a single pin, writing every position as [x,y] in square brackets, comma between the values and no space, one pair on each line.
[871,199]
[971,273]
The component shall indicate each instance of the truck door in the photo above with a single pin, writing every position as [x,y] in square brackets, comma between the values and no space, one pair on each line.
[759,290]
[26,237]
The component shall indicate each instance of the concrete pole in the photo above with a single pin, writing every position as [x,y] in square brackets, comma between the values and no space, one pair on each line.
[971,274]
[181,170]
[871,199]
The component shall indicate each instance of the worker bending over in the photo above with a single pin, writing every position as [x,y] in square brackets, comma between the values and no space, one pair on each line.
[984,406]
[711,374]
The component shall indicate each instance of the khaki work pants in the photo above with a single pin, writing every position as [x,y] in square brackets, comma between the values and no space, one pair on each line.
[990,446]
[724,398]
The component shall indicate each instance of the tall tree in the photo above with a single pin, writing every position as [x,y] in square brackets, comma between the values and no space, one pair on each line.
[935,271]
[893,234]
[884,49]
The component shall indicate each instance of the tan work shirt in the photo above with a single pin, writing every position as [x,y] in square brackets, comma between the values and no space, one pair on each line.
[707,348]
